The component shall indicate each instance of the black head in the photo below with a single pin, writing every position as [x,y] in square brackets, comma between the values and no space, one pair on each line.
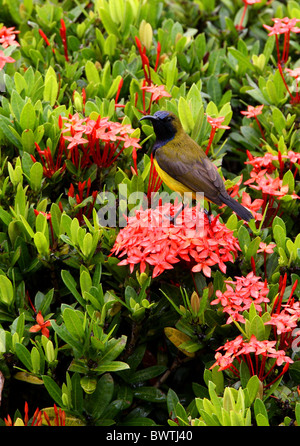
[165,125]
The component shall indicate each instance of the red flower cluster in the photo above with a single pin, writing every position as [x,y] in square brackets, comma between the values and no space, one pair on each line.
[157,91]
[284,26]
[100,142]
[271,162]
[239,296]
[268,185]
[36,419]
[284,317]
[83,188]
[49,166]
[243,350]
[59,420]
[266,176]
[8,37]
[150,238]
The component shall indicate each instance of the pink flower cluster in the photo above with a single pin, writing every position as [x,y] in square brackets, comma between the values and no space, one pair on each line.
[150,238]
[100,142]
[8,37]
[268,161]
[239,296]
[283,26]
[241,349]
[269,185]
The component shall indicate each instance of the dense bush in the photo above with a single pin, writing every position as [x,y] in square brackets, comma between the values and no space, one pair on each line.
[105,319]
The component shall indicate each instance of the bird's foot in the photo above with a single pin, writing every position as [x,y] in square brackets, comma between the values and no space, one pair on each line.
[174,217]
[208,213]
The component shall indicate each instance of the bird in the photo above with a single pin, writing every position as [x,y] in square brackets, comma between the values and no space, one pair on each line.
[184,167]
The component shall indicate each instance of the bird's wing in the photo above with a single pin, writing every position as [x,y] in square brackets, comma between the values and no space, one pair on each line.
[186,162]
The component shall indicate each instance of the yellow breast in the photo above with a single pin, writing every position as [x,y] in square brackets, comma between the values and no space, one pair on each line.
[171,182]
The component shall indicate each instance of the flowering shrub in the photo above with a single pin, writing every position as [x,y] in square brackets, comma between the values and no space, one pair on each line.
[149,238]
[119,306]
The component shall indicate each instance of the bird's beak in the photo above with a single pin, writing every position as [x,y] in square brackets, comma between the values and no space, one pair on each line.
[150,117]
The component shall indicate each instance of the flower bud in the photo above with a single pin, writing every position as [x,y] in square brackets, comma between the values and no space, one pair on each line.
[195,302]
[49,351]
[65,399]
[78,103]
[146,34]
[141,278]
[80,30]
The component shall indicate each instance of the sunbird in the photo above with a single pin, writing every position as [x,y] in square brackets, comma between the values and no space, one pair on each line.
[184,167]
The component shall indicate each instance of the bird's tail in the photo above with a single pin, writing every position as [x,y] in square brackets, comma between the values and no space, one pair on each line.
[240,210]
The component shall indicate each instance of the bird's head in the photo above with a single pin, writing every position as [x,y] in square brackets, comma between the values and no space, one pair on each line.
[165,125]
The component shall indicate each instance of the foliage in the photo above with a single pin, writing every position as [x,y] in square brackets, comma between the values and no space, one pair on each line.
[180,331]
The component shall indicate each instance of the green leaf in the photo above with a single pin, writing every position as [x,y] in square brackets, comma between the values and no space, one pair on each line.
[85,281]
[113,88]
[36,176]
[91,72]
[288,179]
[244,373]
[87,245]
[114,348]
[252,248]
[279,120]
[55,218]
[185,115]
[172,401]
[53,389]
[244,239]
[279,236]
[242,59]
[71,283]
[28,140]
[101,397]
[23,355]
[113,366]
[253,388]
[297,413]
[260,408]
[64,334]
[51,87]
[41,244]
[262,420]
[20,82]
[214,89]
[148,373]
[73,323]
[6,290]
[108,23]
[150,394]
[218,380]
[257,328]
[28,118]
